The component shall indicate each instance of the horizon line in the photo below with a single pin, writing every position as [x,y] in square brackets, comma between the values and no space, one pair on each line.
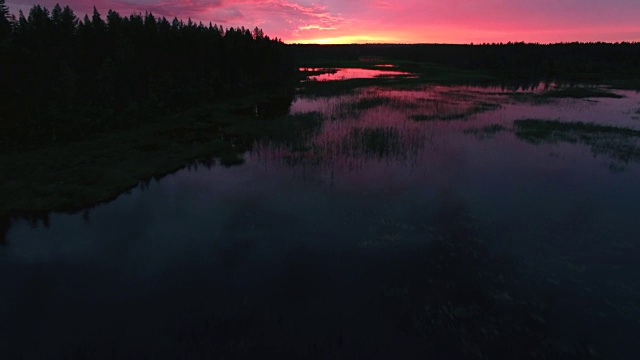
[468,44]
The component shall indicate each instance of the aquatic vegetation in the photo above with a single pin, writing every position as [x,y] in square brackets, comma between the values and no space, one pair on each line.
[486,131]
[85,173]
[545,130]
[476,108]
[371,102]
[580,93]
[378,142]
[619,143]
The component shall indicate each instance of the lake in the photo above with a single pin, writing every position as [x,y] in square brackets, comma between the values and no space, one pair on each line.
[446,221]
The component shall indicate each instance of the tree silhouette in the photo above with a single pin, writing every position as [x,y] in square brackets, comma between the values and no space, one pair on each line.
[65,79]
[5,22]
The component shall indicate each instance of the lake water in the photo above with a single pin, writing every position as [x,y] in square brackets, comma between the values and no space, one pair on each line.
[410,223]
[354,73]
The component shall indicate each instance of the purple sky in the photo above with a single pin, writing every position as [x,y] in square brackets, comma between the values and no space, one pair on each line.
[407,21]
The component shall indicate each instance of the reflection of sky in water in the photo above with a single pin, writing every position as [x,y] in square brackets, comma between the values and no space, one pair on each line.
[352,73]
[199,240]
[607,111]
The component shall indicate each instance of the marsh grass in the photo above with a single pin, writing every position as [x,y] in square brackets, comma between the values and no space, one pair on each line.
[474,109]
[580,93]
[376,142]
[486,132]
[77,175]
[618,143]
[370,102]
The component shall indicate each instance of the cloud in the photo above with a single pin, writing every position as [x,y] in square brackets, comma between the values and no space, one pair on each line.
[175,8]
[316,27]
[399,20]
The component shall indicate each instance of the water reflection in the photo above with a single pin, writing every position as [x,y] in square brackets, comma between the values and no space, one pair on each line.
[371,235]
[353,73]
[5,225]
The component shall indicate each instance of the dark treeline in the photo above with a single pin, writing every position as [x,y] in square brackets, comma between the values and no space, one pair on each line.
[579,60]
[66,78]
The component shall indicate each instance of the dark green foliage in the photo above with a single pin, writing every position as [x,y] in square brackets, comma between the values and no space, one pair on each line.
[65,79]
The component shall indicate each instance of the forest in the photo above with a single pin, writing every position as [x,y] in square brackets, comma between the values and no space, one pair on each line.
[597,61]
[65,78]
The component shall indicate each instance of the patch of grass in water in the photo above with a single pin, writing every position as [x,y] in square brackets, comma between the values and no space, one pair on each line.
[477,108]
[486,131]
[580,93]
[618,143]
[379,142]
[371,102]
[537,129]
[528,97]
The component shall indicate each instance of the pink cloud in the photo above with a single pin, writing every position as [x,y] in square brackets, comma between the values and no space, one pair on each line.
[459,21]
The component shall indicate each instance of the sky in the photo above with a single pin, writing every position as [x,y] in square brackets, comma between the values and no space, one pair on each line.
[395,21]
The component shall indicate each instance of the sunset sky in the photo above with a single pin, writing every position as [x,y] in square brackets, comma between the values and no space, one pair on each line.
[399,21]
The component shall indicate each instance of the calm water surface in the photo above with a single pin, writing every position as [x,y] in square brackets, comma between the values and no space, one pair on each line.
[380,236]
[355,73]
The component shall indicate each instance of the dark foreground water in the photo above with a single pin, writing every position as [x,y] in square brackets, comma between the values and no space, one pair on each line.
[422,223]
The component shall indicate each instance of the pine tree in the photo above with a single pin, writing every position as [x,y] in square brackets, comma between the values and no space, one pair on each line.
[69,21]
[5,23]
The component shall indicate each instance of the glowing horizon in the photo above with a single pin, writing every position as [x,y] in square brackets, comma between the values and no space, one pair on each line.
[401,21]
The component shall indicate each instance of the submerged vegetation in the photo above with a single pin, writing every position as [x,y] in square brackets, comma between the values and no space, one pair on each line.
[622,144]
[376,142]
[486,131]
[475,108]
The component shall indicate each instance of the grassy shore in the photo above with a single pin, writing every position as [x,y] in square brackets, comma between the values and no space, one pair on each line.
[76,175]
